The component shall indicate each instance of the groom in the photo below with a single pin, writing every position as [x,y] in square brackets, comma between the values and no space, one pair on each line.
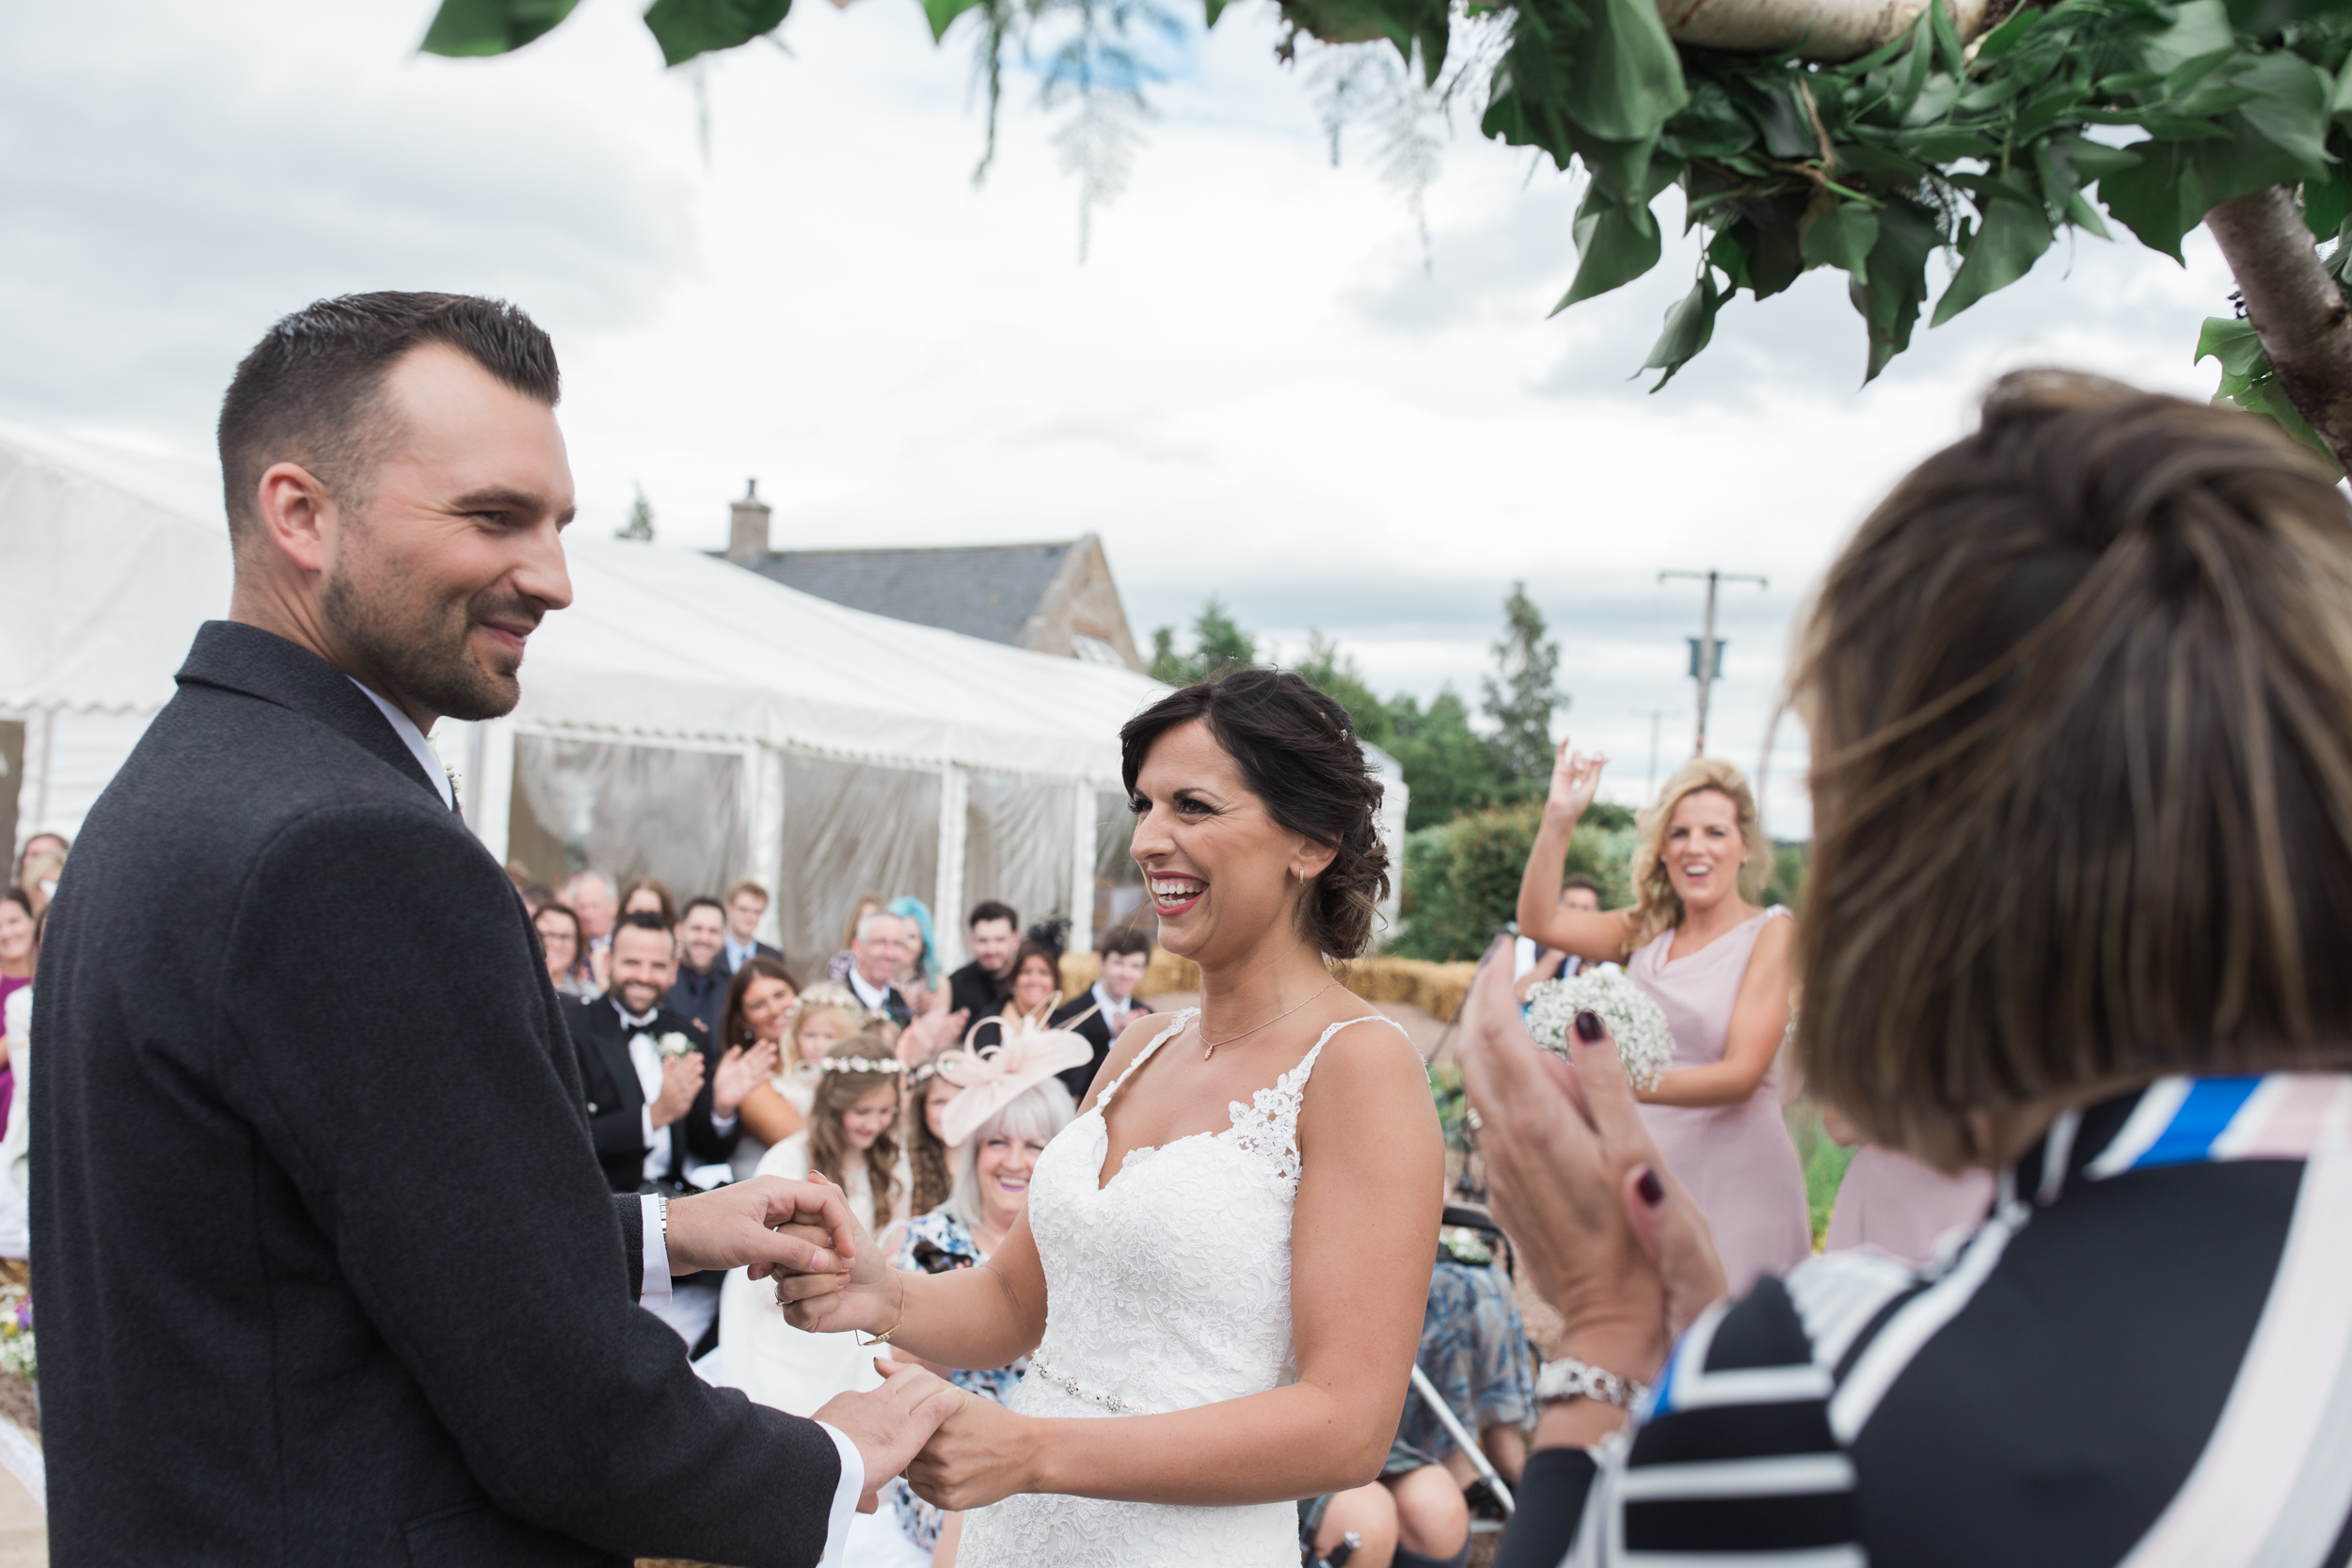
[328,1272]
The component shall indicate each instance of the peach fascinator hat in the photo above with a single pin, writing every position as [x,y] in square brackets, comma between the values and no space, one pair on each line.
[992,1077]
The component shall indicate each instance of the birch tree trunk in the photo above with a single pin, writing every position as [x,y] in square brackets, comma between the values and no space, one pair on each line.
[2294,307]
[1820,29]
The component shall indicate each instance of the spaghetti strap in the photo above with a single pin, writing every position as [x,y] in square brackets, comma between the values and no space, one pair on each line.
[1145,1055]
[1298,1076]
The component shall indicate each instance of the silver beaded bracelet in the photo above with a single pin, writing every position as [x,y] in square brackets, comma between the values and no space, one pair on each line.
[1570,1379]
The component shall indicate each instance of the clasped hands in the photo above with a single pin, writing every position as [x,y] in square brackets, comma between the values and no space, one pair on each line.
[1603,1229]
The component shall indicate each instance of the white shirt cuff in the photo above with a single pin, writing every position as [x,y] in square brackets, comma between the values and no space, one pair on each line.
[722,1124]
[644,1122]
[657,1251]
[845,1497]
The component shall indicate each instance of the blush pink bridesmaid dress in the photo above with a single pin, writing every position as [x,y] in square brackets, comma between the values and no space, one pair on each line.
[1737,1160]
[1894,1204]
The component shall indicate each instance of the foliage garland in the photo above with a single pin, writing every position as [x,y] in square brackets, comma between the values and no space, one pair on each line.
[1984,149]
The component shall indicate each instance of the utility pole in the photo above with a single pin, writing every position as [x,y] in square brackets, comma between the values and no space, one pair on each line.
[1655,714]
[1706,653]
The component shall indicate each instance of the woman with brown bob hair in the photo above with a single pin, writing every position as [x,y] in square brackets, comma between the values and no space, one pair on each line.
[1235,1231]
[2080,697]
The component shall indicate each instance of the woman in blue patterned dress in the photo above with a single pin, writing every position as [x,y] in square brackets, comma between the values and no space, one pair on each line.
[1007,1113]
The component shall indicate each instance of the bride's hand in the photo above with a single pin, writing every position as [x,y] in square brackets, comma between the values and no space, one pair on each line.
[979,1455]
[868,1295]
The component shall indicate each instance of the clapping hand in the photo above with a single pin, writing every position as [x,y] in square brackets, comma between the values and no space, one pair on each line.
[742,1069]
[1575,779]
[1607,1233]
[930,1033]
[890,1423]
[681,1081]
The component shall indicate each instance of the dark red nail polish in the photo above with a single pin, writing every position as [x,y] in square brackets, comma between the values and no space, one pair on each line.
[1588,1026]
[1652,1190]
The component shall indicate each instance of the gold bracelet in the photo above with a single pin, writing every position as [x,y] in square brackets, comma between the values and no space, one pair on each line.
[883,1338]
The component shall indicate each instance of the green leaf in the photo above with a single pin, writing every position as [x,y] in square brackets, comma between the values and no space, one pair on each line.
[2007,35]
[686,28]
[1898,287]
[1946,37]
[1616,241]
[2004,250]
[2238,348]
[2289,109]
[1843,237]
[2340,101]
[2199,28]
[1624,78]
[2327,202]
[1689,324]
[474,27]
[942,14]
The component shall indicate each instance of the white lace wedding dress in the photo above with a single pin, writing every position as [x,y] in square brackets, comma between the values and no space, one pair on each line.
[1168,1287]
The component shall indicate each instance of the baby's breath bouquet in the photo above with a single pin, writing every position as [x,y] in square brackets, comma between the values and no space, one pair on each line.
[1643,1041]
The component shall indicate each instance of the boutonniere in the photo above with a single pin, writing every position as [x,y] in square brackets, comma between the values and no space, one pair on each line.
[674,1044]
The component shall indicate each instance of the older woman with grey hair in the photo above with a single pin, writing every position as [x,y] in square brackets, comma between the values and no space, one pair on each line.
[1011,1105]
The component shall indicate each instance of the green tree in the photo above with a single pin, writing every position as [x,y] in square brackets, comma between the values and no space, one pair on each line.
[1448,766]
[1337,675]
[1462,877]
[1802,134]
[1217,641]
[1522,693]
[640,524]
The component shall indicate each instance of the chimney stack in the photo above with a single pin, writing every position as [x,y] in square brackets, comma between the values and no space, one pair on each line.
[749,540]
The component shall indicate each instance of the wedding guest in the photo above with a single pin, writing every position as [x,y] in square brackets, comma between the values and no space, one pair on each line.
[815,1025]
[994,935]
[1109,1006]
[1531,963]
[1036,981]
[535,896]
[1891,1203]
[747,902]
[1720,969]
[653,1114]
[931,1159]
[838,966]
[2079,692]
[918,978]
[699,994]
[880,950]
[650,896]
[598,899]
[18,953]
[1011,1111]
[37,870]
[761,1001]
[565,940]
[848,1141]
[16,1174]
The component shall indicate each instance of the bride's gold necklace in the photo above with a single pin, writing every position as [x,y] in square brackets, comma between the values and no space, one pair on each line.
[1208,1046]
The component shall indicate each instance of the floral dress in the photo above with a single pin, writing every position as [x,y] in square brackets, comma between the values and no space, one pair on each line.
[936,1243]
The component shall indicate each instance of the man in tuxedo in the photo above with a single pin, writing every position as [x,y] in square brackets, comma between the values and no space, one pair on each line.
[653,1114]
[877,952]
[1109,1006]
[980,986]
[699,992]
[747,901]
[328,1273]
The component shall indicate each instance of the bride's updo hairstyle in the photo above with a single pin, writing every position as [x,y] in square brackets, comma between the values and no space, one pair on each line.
[2080,693]
[1298,754]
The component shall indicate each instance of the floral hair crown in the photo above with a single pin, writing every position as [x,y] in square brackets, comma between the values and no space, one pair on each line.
[861,1064]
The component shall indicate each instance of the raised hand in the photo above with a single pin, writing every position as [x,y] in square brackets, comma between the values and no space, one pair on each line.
[890,1423]
[740,1071]
[681,1081]
[1575,779]
[979,1456]
[867,1295]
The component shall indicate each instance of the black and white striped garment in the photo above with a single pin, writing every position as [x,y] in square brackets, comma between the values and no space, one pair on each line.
[2144,1356]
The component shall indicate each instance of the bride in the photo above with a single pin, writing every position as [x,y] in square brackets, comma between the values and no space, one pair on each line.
[1221,1277]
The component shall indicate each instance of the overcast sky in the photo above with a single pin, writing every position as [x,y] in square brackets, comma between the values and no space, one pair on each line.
[1258,385]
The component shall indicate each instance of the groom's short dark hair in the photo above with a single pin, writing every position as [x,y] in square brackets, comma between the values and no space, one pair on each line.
[305,392]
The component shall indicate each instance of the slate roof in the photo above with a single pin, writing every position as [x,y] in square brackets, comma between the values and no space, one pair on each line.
[986,591]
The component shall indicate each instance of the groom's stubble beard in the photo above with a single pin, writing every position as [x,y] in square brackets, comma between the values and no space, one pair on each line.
[422,646]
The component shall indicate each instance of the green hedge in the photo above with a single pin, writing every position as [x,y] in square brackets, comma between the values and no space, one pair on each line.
[1462,878]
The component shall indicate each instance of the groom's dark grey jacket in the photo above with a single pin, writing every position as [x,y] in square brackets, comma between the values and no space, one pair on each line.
[327,1272]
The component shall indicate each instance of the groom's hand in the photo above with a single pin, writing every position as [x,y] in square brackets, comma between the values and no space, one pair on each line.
[766,1222]
[891,1423]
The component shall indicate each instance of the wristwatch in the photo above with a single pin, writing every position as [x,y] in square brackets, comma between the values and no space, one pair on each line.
[1570,1379]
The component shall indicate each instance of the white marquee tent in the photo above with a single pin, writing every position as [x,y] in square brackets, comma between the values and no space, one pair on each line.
[683,719]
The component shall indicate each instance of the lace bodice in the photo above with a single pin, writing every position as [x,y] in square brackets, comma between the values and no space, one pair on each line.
[1166,1287]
